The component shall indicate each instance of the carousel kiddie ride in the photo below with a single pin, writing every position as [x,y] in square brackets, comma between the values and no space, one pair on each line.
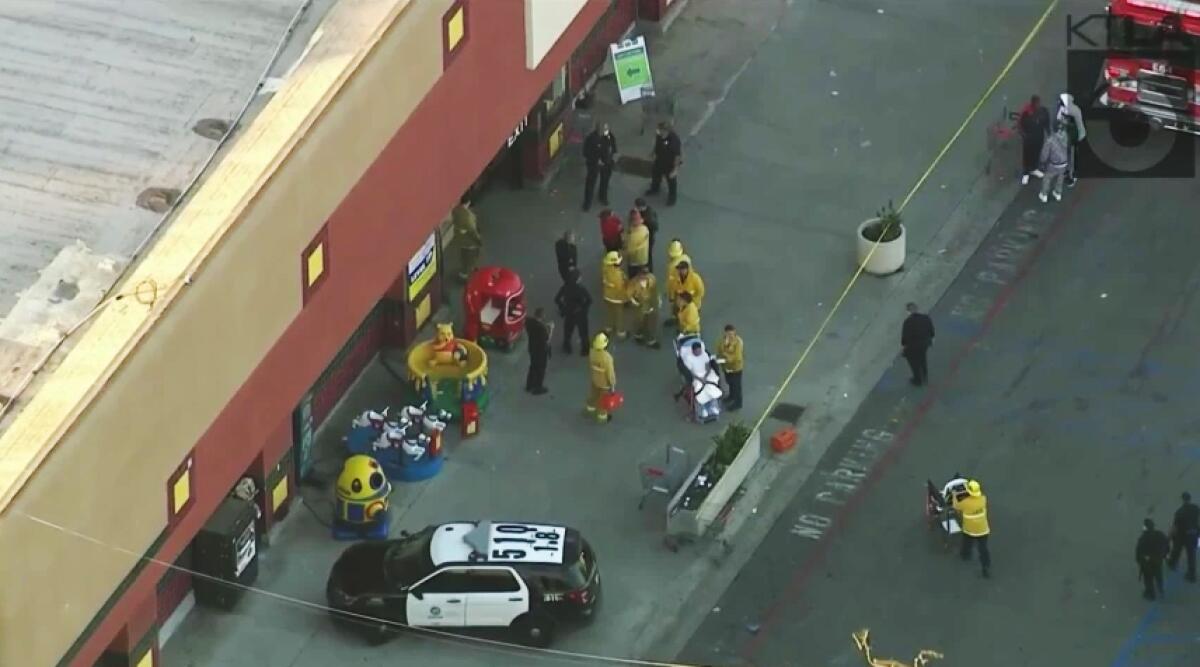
[449,374]
[408,446]
[361,500]
[494,303]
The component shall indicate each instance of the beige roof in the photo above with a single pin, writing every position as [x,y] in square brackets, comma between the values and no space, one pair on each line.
[99,105]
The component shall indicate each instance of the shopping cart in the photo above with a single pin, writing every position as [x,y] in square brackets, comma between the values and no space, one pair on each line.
[939,506]
[664,477]
[1004,145]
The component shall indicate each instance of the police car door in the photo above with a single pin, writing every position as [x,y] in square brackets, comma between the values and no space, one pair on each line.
[497,597]
[439,600]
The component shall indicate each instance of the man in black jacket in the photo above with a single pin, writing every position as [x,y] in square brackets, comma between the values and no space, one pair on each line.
[915,338]
[567,254]
[667,156]
[650,218]
[1185,530]
[539,332]
[573,302]
[600,156]
[1150,552]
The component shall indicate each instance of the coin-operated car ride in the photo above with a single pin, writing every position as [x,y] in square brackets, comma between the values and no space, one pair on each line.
[361,500]
[494,303]
[530,578]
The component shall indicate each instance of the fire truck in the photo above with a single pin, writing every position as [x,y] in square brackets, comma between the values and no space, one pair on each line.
[1150,70]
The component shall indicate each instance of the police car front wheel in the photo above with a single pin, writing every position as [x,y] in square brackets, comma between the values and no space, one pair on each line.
[533,630]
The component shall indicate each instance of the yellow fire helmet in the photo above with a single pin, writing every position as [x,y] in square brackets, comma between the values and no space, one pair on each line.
[613,258]
[974,489]
[675,249]
[600,342]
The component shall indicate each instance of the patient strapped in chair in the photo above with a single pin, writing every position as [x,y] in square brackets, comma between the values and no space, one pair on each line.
[705,381]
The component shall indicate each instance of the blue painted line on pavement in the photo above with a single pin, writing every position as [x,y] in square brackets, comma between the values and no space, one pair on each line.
[1140,636]
[1171,639]
[1126,653]
[961,327]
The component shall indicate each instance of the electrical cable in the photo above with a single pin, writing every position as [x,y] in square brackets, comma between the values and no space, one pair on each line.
[480,642]
[498,646]
[1037,27]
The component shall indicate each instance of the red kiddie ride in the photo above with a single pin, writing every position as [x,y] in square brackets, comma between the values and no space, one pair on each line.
[494,303]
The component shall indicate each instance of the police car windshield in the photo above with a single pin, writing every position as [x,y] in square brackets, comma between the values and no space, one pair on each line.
[408,559]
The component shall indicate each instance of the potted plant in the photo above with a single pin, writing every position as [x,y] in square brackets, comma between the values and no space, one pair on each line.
[880,242]
[715,480]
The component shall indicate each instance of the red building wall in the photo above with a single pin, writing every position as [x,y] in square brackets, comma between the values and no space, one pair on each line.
[417,177]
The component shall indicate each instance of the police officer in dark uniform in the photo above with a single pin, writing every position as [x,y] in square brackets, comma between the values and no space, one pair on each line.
[566,253]
[573,303]
[1151,550]
[915,338]
[667,156]
[1185,530]
[539,332]
[600,155]
[650,219]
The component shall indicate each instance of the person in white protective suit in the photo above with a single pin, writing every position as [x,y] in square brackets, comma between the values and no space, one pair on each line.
[1071,118]
[706,383]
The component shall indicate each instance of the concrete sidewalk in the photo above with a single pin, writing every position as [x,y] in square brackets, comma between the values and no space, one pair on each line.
[779,171]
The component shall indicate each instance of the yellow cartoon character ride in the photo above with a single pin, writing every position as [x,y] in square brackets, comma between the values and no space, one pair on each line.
[446,348]
[447,372]
[361,500]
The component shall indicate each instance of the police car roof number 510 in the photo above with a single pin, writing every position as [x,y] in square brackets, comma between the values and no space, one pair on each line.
[525,543]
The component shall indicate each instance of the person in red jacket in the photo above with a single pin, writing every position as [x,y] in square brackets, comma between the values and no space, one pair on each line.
[611,229]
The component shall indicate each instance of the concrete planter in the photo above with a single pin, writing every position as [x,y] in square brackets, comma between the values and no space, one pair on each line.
[888,258]
[695,522]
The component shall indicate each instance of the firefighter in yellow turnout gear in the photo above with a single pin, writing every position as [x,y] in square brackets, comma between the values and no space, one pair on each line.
[675,255]
[975,529]
[688,314]
[644,297]
[603,376]
[614,285]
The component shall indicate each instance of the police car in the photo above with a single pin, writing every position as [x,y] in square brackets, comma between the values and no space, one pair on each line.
[479,574]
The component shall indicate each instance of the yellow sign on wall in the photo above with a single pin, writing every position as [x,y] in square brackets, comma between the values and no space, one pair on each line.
[556,138]
[316,264]
[455,29]
[423,311]
[147,659]
[279,494]
[181,492]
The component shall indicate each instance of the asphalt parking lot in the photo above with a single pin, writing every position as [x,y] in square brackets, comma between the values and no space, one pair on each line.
[1062,377]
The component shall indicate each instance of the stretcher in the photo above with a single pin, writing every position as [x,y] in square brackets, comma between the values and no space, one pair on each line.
[939,506]
[701,390]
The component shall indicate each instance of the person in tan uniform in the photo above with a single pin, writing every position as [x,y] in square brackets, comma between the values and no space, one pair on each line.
[636,243]
[644,297]
[614,285]
[466,234]
[731,356]
[603,376]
